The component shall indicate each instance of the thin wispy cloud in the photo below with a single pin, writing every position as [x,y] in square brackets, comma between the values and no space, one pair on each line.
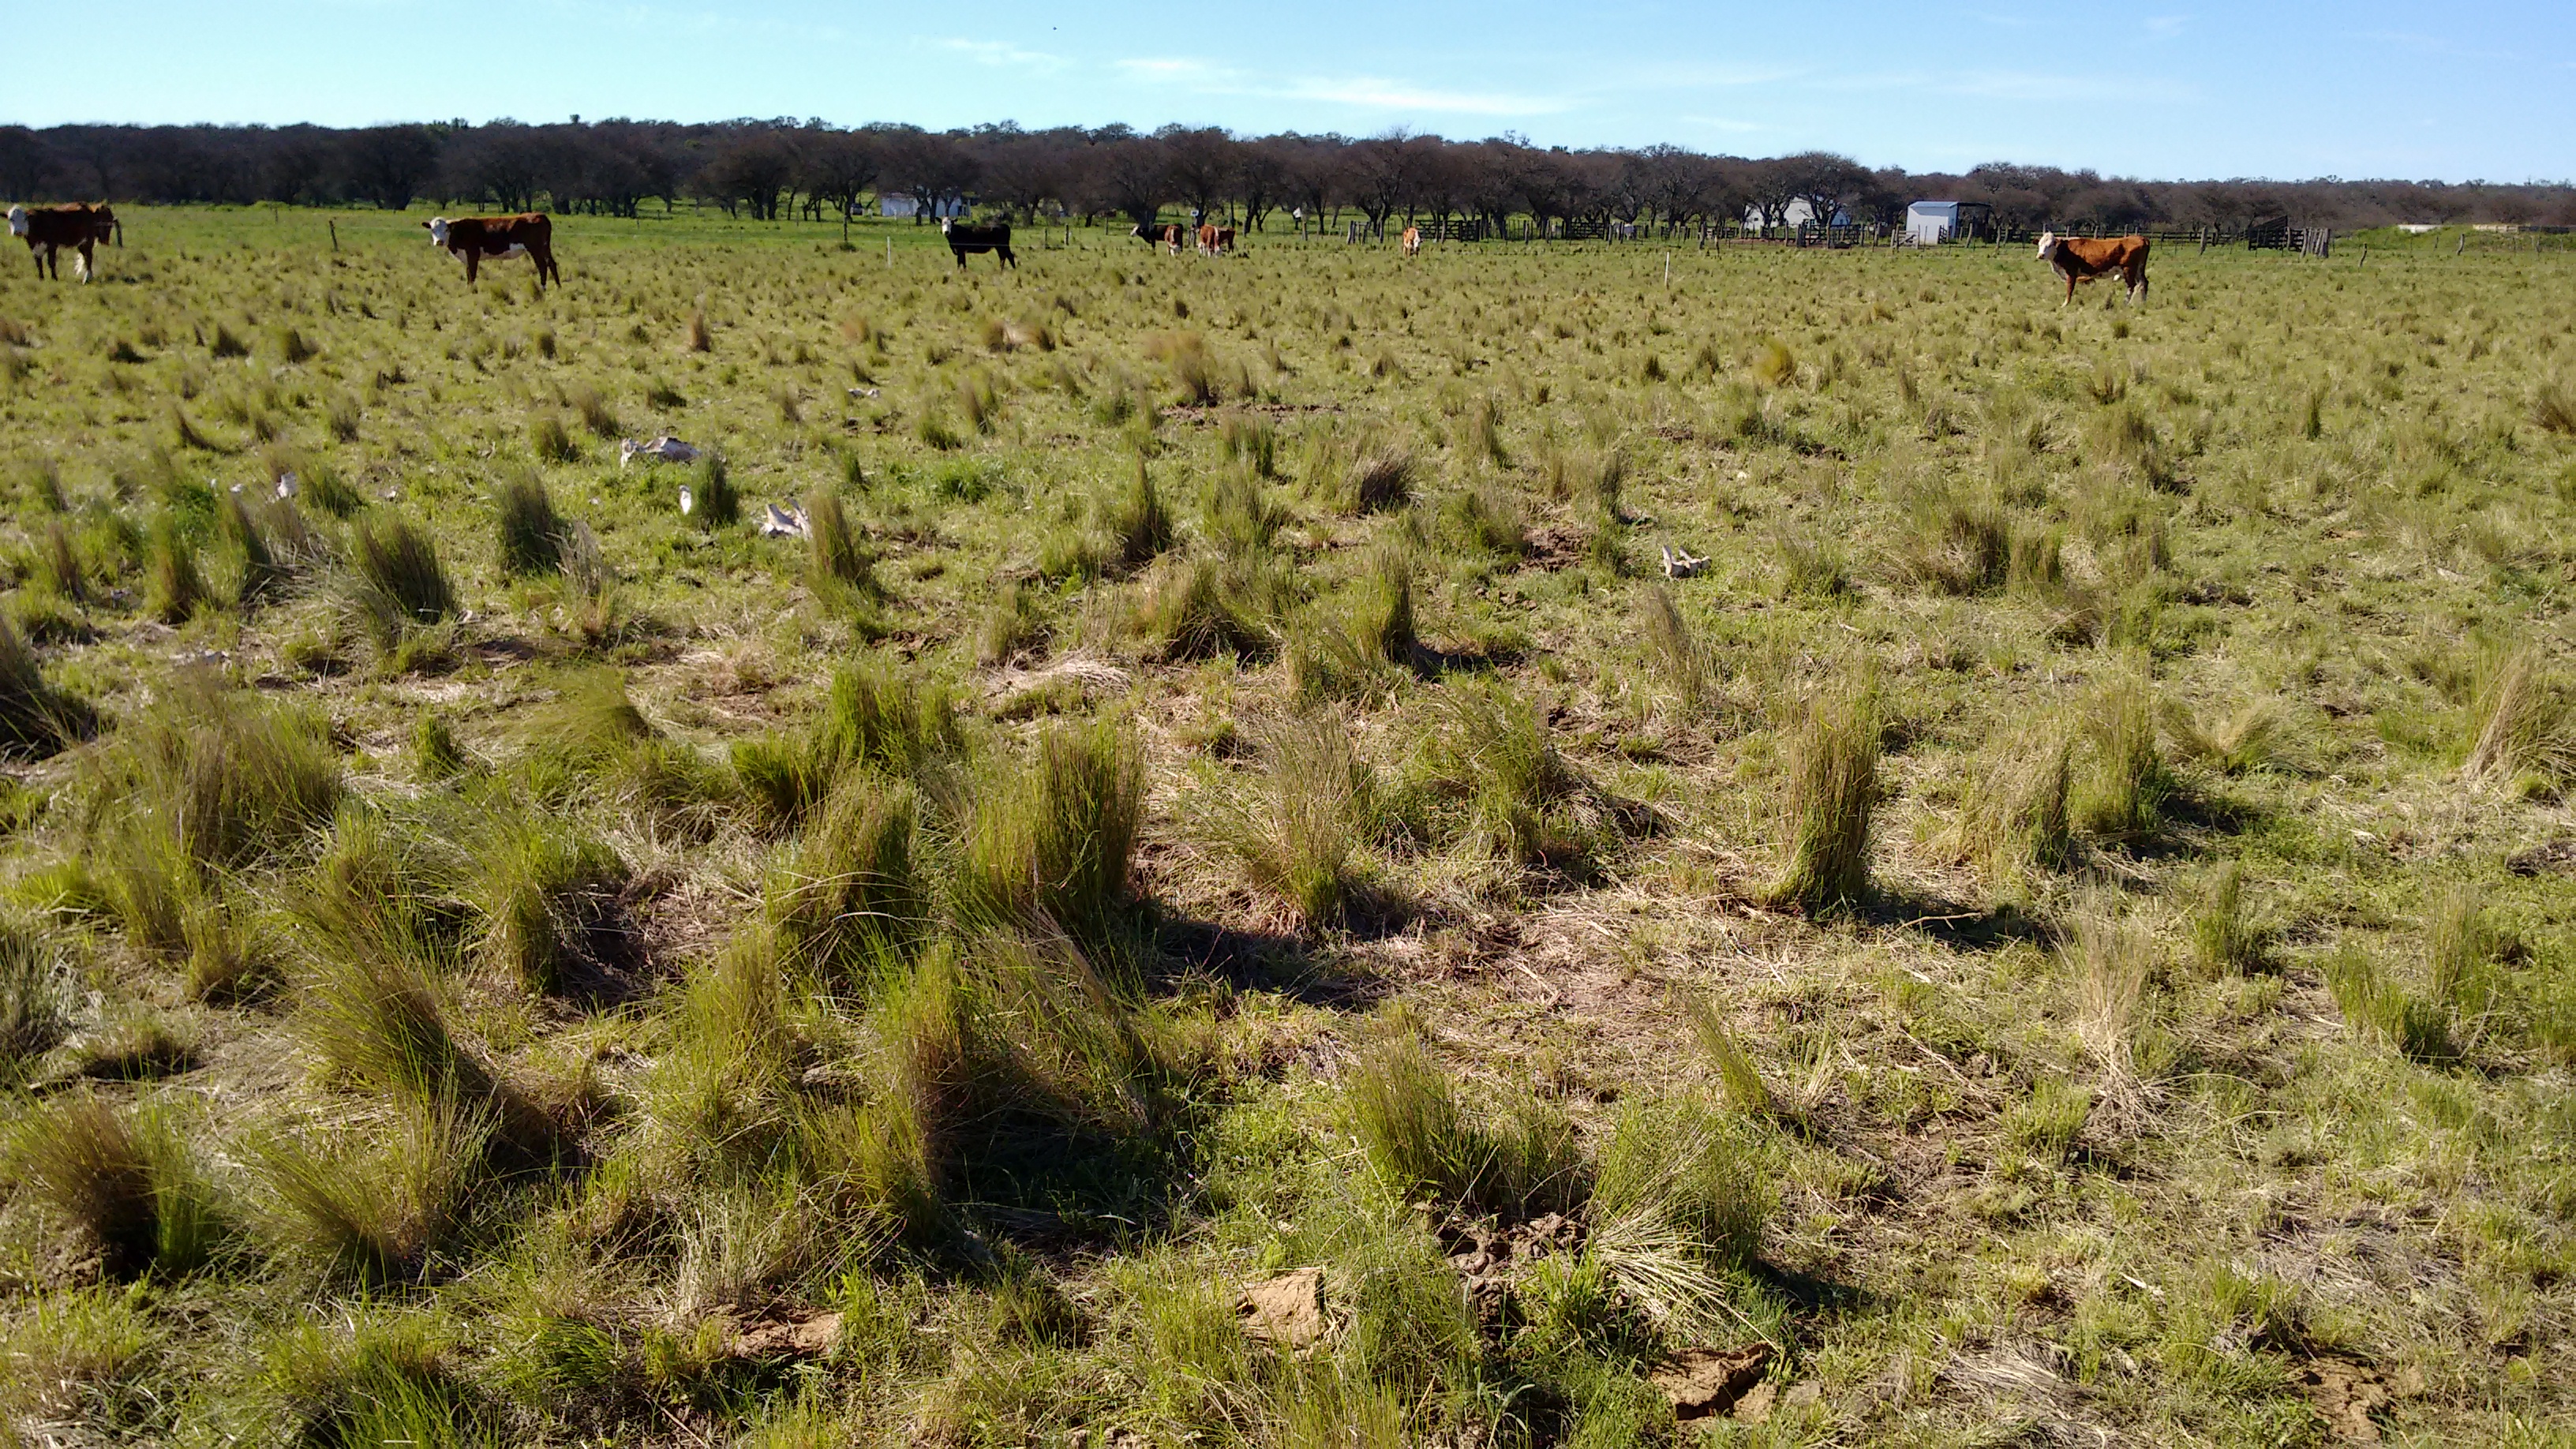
[999,53]
[1365,92]
[2165,27]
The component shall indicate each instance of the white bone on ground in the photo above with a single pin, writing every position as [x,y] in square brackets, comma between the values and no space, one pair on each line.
[688,501]
[288,485]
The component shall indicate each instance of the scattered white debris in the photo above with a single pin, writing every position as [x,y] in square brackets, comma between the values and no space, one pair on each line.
[288,485]
[863,392]
[688,501]
[238,487]
[664,449]
[1742,476]
[783,523]
[1681,565]
[392,493]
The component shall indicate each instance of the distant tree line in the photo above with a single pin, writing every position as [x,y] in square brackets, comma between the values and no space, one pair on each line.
[766,169]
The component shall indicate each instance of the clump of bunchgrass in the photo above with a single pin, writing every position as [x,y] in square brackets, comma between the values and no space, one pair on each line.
[1737,1072]
[2243,742]
[594,410]
[1962,547]
[35,999]
[1049,841]
[1485,753]
[2016,815]
[124,1178]
[1422,1136]
[530,531]
[1300,827]
[37,720]
[399,583]
[852,894]
[879,715]
[1828,797]
[375,1207]
[1135,521]
[549,900]
[837,566]
[719,502]
[177,585]
[1378,482]
[1680,658]
[2125,784]
[1238,519]
[1194,611]
[2523,719]
[2113,963]
[549,441]
[2225,934]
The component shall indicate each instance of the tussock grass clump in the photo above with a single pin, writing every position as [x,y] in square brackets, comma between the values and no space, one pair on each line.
[230,780]
[123,1178]
[58,564]
[1774,365]
[1677,1187]
[549,901]
[1195,376]
[1239,519]
[1487,519]
[400,584]
[1962,548]
[837,566]
[699,337]
[376,1209]
[178,586]
[1049,841]
[719,501]
[1014,625]
[1809,567]
[2417,1023]
[1193,612]
[36,720]
[1736,1070]
[1486,755]
[2122,790]
[853,896]
[1682,659]
[530,530]
[1421,1136]
[595,412]
[2244,742]
[268,564]
[2524,720]
[2113,965]
[1137,525]
[35,1000]
[2225,934]
[1254,442]
[549,441]
[2017,814]
[1364,644]
[2553,408]
[1828,797]
[1378,482]
[878,716]
[1301,826]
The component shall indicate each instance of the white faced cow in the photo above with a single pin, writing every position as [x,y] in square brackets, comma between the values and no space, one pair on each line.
[499,238]
[49,229]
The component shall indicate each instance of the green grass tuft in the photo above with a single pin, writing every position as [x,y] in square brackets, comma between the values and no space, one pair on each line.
[1828,798]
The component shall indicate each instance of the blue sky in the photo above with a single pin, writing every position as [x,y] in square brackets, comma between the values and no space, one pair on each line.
[2169,88]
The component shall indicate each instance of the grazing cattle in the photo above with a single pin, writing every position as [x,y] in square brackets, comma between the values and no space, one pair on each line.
[1412,240]
[963,239]
[1222,242]
[500,238]
[49,229]
[1153,234]
[1207,240]
[2081,259]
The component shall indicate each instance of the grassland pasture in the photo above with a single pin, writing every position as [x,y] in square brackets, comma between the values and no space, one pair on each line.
[2061,929]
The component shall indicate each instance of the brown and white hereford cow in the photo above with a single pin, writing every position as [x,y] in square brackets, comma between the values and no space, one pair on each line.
[1412,240]
[2081,259]
[49,229]
[529,234]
